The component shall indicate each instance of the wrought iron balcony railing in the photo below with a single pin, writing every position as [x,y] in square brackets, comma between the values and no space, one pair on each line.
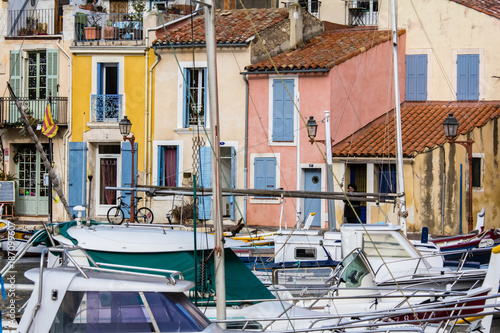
[9,114]
[108,27]
[363,12]
[29,22]
[106,108]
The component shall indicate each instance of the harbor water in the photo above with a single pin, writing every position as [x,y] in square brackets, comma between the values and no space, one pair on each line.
[15,298]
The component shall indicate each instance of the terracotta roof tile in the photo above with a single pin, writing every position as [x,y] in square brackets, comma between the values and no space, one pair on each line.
[231,26]
[489,7]
[422,128]
[326,51]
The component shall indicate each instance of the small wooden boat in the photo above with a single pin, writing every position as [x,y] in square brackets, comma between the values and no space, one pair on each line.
[14,239]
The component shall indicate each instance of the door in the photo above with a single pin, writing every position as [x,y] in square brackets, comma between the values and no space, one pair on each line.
[108,162]
[312,182]
[32,197]
[227,174]
[358,177]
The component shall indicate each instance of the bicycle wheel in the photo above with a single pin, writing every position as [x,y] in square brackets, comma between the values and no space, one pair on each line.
[144,215]
[115,215]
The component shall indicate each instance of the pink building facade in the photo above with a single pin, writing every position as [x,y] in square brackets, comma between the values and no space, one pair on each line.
[354,83]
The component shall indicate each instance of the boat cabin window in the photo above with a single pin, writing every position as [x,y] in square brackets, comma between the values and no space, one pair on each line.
[127,312]
[305,253]
[385,245]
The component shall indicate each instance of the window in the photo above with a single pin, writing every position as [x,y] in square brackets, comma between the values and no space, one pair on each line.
[194,97]
[468,77]
[416,77]
[41,73]
[107,103]
[167,166]
[312,6]
[476,171]
[283,110]
[386,178]
[305,253]
[265,173]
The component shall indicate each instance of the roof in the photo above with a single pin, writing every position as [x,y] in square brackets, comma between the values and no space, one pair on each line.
[326,51]
[489,7]
[422,128]
[231,26]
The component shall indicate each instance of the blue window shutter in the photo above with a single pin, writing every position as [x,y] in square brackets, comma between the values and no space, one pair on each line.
[77,176]
[187,80]
[265,173]
[15,83]
[100,78]
[283,110]
[161,166]
[468,77]
[127,171]
[205,172]
[231,198]
[416,77]
[387,178]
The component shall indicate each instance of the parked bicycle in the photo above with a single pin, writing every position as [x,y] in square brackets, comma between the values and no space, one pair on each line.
[116,214]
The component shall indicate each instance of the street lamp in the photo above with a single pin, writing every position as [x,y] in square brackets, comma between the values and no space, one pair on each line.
[125,126]
[312,128]
[450,126]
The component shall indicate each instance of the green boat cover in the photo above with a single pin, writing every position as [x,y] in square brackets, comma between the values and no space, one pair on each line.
[241,283]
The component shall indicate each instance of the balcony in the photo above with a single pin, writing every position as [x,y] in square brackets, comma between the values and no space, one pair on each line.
[363,13]
[106,108]
[33,22]
[9,114]
[108,29]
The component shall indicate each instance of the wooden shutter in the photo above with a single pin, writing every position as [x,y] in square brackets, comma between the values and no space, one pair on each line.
[416,77]
[15,83]
[126,175]
[187,97]
[205,172]
[283,110]
[77,176]
[265,173]
[468,77]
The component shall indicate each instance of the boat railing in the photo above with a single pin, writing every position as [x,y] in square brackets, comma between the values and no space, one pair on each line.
[163,274]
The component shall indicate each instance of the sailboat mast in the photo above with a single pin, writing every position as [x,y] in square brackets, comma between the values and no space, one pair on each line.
[220,280]
[400,185]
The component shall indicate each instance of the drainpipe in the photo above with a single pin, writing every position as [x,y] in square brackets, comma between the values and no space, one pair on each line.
[150,92]
[245,163]
[67,135]
[147,102]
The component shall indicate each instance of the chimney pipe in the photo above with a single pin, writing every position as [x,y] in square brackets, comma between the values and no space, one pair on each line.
[296,25]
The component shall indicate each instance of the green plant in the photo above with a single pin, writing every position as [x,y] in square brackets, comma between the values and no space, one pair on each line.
[10,176]
[138,7]
[94,20]
[186,210]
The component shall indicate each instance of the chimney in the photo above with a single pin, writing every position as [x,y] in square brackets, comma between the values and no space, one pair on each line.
[296,24]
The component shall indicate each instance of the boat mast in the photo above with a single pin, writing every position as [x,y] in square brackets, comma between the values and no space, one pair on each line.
[400,185]
[220,279]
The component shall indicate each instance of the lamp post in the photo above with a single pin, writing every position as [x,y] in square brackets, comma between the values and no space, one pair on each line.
[90,176]
[125,126]
[312,128]
[450,126]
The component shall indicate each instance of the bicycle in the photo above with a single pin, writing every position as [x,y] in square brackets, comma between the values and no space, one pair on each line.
[116,215]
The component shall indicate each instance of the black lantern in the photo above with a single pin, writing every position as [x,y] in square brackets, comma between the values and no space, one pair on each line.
[312,127]
[450,126]
[125,126]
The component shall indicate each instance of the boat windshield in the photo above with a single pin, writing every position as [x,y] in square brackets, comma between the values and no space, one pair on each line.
[383,245]
[94,311]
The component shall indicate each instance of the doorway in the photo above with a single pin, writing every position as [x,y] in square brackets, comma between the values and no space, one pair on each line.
[108,162]
[312,182]
[32,197]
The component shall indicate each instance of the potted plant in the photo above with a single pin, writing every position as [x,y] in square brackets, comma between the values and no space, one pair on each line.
[93,31]
[31,25]
[109,31]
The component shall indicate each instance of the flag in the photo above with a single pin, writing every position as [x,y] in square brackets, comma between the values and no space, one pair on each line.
[49,129]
